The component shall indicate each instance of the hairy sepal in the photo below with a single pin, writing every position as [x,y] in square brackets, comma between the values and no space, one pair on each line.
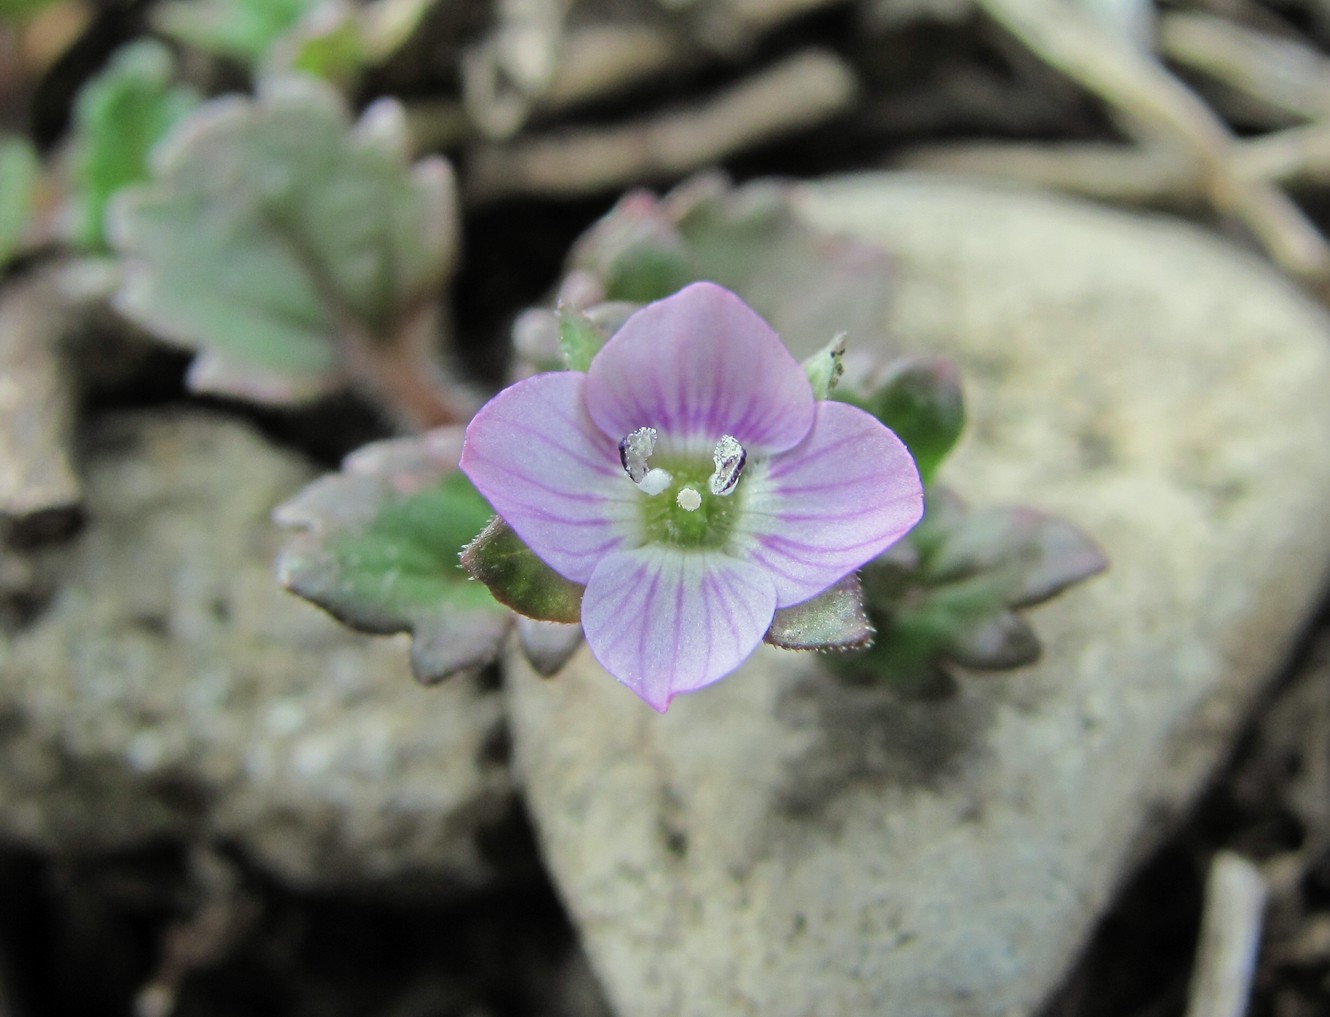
[518,578]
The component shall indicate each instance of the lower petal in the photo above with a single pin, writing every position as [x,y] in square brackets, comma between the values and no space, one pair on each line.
[836,500]
[665,621]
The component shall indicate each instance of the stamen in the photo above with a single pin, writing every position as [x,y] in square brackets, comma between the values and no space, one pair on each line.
[689,500]
[655,481]
[634,450]
[729,458]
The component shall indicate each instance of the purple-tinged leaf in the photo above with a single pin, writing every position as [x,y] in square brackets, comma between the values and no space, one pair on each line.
[1000,641]
[1034,556]
[834,620]
[808,284]
[517,578]
[211,373]
[950,591]
[378,548]
[283,239]
[547,645]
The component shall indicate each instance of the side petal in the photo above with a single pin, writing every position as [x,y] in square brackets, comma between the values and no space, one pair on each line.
[554,476]
[665,621]
[698,365]
[838,499]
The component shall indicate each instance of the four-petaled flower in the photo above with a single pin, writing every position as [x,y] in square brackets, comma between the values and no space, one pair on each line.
[692,482]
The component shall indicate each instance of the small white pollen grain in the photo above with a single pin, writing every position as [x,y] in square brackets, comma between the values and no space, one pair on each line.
[655,481]
[688,499]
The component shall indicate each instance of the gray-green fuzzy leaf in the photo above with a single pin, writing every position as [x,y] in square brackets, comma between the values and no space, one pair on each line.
[377,547]
[284,240]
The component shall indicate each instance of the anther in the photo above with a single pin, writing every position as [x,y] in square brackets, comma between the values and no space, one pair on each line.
[729,458]
[689,500]
[634,450]
[655,481]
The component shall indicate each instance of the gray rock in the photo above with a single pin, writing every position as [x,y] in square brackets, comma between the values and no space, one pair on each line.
[172,689]
[783,845]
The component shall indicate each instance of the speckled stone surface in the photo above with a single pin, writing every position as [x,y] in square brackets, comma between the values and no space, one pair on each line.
[171,689]
[781,845]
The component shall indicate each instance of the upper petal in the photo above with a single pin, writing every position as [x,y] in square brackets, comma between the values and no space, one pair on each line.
[698,365]
[838,499]
[665,621]
[533,452]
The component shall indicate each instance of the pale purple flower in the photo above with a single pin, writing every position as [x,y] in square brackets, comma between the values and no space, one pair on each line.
[692,482]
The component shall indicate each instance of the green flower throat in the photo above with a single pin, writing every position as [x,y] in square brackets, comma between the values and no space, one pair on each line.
[686,505]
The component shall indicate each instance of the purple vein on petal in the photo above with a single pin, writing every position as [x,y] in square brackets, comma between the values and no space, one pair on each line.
[697,365]
[817,513]
[665,621]
[545,467]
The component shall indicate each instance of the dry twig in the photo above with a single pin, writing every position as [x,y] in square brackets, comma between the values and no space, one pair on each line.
[1164,111]
[801,91]
[38,483]
[1230,937]
[1280,73]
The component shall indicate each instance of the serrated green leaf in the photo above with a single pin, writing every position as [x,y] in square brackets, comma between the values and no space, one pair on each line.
[118,117]
[580,339]
[282,239]
[519,579]
[378,549]
[20,171]
[920,399]
[405,560]
[833,620]
[241,29]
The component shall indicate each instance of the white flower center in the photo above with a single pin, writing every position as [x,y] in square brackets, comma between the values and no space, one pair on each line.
[688,498]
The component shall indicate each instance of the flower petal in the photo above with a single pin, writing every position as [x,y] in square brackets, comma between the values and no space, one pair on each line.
[665,621]
[555,477]
[698,365]
[838,499]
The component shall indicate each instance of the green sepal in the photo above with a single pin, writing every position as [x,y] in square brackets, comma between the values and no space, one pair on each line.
[833,620]
[580,338]
[519,579]
[825,367]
